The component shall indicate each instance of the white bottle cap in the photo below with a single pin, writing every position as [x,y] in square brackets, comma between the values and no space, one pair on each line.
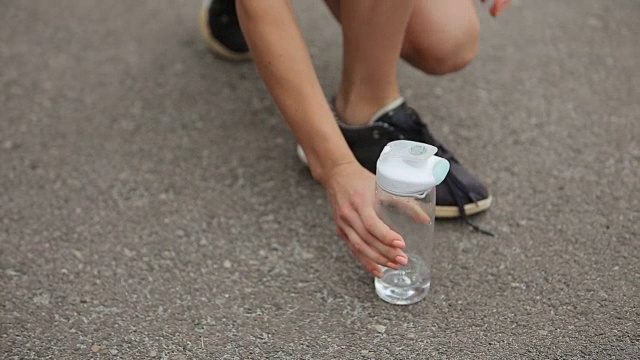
[410,168]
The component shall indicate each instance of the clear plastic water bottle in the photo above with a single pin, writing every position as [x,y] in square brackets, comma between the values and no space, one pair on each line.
[406,177]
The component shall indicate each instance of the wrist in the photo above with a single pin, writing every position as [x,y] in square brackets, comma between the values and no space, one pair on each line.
[325,158]
[325,175]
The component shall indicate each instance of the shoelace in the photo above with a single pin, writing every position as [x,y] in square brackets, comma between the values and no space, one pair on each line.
[456,186]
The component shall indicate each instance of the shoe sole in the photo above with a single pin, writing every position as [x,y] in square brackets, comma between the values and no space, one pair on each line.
[451,212]
[214,45]
[442,212]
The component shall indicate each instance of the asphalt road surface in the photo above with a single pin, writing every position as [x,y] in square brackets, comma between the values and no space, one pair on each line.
[152,205]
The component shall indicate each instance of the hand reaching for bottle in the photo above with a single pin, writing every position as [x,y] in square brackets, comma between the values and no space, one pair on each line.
[350,188]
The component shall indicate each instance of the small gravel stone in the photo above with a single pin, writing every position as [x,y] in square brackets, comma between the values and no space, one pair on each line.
[276,247]
[11,272]
[380,328]
[42,299]
[77,254]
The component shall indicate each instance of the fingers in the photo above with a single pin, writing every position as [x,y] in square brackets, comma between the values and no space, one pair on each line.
[374,233]
[410,207]
[367,263]
[499,6]
[372,242]
[379,230]
[413,208]
[359,246]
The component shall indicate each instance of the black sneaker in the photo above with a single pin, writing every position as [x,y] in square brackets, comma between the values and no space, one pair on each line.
[459,195]
[220,27]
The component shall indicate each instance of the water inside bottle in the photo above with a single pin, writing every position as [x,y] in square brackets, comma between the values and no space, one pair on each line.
[406,286]
[406,216]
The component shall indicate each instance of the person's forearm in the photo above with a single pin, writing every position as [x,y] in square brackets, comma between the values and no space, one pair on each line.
[283,61]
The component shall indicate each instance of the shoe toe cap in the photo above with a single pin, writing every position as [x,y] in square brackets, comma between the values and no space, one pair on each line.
[464,180]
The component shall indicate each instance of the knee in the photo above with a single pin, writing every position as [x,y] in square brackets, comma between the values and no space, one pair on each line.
[444,53]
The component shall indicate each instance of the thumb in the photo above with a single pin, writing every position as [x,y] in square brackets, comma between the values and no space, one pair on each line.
[499,6]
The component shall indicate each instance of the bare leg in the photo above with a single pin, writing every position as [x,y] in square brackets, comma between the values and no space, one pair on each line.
[373,31]
[441,37]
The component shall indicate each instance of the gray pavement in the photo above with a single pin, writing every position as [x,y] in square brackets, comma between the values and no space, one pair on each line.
[152,206]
